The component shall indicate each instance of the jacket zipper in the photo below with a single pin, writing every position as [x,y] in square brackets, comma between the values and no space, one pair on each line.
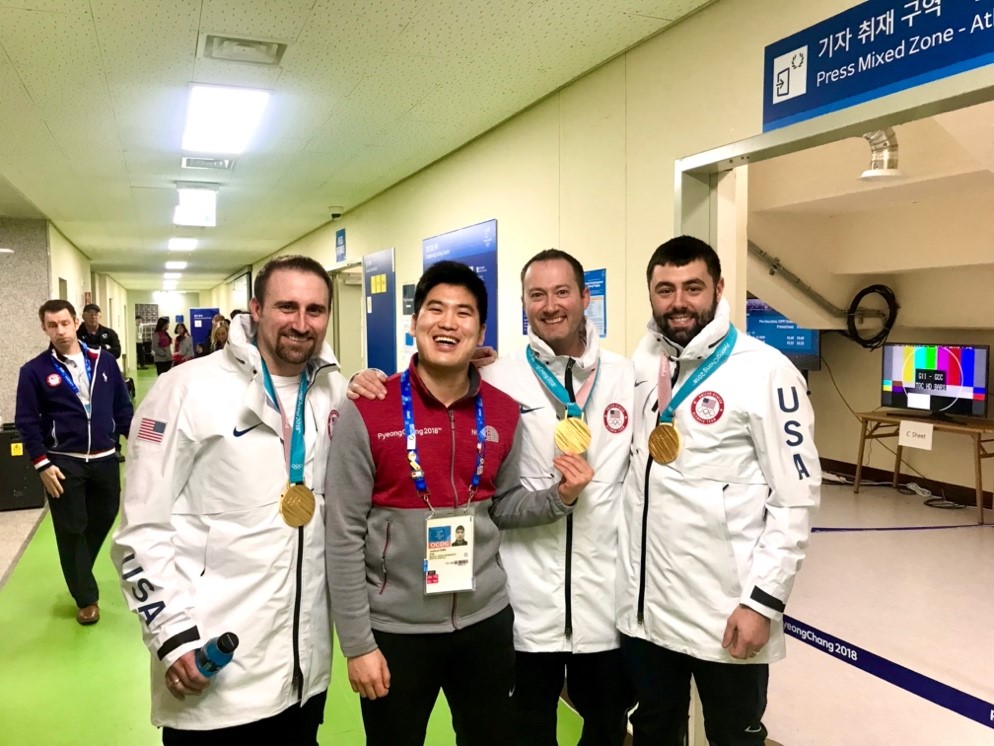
[89,410]
[568,590]
[645,526]
[455,494]
[298,674]
[645,515]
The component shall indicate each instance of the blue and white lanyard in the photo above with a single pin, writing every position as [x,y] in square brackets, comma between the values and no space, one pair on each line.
[417,473]
[703,372]
[573,408]
[297,452]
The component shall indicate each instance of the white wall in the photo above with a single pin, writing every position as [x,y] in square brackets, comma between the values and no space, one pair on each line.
[70,264]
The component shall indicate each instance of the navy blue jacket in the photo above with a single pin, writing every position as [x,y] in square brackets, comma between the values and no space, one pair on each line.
[50,415]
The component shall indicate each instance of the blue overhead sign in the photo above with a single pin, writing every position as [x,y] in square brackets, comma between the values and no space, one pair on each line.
[872,50]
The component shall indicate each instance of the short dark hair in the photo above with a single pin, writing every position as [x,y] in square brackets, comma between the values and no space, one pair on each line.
[294,262]
[460,528]
[452,273]
[54,306]
[236,312]
[680,252]
[549,255]
[91,307]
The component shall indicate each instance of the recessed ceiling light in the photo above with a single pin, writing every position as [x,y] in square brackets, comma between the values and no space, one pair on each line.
[221,120]
[6,251]
[171,275]
[176,265]
[197,205]
[182,244]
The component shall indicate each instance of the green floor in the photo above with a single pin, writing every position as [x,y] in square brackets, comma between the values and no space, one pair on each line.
[66,684]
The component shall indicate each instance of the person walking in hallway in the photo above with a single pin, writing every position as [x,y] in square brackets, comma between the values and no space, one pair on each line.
[72,406]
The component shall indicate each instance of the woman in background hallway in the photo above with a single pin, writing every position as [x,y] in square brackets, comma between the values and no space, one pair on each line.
[162,345]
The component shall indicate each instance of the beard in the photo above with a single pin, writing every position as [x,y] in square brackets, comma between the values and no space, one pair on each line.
[684,335]
[297,351]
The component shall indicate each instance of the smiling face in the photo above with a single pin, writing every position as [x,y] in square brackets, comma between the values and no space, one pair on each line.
[684,299]
[554,305]
[447,329]
[61,329]
[292,320]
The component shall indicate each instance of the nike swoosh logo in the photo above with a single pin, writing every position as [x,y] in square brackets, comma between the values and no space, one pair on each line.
[526,410]
[639,383]
[239,433]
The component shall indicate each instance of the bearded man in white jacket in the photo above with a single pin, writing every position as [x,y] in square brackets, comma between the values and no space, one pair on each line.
[723,484]
[222,521]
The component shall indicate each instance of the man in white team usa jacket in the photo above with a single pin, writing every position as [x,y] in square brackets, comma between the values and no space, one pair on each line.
[560,575]
[717,527]
[204,547]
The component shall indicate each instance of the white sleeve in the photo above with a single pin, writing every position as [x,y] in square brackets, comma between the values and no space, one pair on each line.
[161,450]
[783,436]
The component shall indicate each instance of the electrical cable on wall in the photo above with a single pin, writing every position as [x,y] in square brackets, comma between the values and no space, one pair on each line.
[888,321]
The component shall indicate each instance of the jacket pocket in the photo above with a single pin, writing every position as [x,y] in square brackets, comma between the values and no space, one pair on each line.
[383,557]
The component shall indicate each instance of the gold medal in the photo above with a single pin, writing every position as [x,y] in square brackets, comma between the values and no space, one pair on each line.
[664,443]
[572,436]
[297,505]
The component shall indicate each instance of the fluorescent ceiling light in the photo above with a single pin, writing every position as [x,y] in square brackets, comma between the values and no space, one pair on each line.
[171,275]
[222,120]
[197,205]
[6,251]
[176,265]
[182,244]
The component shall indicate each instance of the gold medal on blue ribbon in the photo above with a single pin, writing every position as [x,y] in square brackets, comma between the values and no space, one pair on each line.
[297,505]
[572,436]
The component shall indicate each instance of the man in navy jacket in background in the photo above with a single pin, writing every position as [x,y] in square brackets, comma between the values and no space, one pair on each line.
[72,406]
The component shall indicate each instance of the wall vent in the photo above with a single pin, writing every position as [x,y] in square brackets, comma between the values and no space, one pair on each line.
[230,49]
[222,164]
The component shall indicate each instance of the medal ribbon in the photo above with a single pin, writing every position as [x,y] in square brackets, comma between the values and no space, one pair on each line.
[573,408]
[703,372]
[70,381]
[417,473]
[293,437]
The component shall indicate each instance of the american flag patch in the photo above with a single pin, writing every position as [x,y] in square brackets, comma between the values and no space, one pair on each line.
[152,430]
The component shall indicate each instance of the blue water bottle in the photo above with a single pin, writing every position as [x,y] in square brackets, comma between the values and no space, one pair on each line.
[216,653]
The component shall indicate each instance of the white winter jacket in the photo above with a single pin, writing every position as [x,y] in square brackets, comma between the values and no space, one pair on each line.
[560,576]
[202,548]
[727,522]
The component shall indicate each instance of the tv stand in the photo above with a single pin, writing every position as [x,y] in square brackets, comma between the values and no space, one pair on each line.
[880,425]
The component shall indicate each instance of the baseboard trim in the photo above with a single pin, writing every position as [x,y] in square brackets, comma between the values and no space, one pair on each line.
[956,493]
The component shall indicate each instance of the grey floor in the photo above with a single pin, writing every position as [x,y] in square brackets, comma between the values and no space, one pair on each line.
[920,598]
[16,529]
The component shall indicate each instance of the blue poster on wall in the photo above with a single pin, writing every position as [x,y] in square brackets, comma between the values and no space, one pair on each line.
[871,50]
[475,245]
[340,245]
[379,281]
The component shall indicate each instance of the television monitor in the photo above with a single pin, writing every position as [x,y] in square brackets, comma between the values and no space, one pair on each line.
[940,379]
[801,346]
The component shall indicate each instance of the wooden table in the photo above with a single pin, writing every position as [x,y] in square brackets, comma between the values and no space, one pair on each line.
[882,424]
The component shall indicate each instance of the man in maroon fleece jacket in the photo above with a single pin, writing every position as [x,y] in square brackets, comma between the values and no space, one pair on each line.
[415,611]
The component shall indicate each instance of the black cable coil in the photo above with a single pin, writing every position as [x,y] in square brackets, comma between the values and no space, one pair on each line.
[892,307]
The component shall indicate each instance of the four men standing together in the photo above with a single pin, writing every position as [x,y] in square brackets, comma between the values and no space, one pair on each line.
[686,482]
